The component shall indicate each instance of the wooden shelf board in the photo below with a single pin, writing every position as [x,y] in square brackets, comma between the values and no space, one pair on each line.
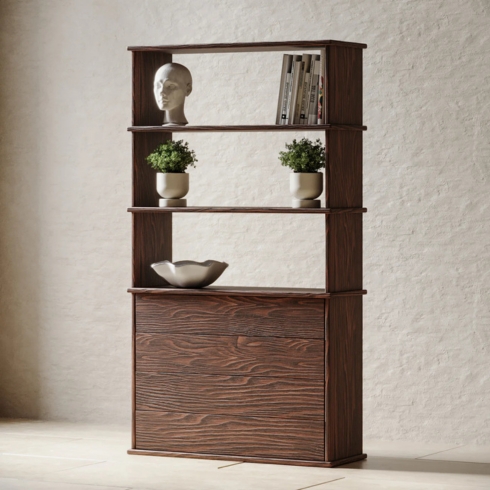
[247,128]
[247,47]
[248,291]
[246,209]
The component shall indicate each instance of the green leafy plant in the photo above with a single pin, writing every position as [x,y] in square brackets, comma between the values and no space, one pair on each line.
[172,157]
[304,155]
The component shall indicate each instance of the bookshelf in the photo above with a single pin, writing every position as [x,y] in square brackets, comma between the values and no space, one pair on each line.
[251,374]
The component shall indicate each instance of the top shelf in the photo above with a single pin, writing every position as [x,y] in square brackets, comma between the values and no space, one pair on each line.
[246,47]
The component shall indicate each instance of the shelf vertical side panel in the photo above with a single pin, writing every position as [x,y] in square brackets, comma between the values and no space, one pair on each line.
[152,242]
[144,177]
[344,85]
[343,377]
[145,65]
[343,188]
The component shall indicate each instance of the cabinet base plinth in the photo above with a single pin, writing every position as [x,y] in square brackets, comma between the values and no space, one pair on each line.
[244,459]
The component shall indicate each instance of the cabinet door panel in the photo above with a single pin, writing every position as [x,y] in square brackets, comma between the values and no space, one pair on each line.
[229,435]
[236,356]
[231,315]
[231,395]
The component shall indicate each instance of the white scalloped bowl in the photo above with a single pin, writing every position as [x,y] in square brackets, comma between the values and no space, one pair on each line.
[190,274]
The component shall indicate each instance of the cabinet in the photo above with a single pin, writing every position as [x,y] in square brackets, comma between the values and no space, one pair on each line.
[251,374]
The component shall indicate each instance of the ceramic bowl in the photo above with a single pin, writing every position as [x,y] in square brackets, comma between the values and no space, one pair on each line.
[190,274]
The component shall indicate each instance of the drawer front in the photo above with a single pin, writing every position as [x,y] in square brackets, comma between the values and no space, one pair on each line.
[231,315]
[231,395]
[226,355]
[230,435]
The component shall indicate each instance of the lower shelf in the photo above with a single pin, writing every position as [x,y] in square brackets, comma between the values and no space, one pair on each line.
[322,464]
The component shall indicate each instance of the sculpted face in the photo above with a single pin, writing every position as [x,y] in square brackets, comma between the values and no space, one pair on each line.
[173,83]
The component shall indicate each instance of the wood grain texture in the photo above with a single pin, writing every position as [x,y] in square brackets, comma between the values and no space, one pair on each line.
[243,209]
[246,128]
[145,65]
[343,377]
[133,372]
[144,177]
[152,242]
[344,87]
[231,395]
[231,315]
[248,459]
[343,184]
[247,47]
[344,252]
[253,436]
[227,355]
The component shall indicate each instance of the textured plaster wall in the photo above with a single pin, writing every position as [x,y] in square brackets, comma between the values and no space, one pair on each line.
[65,155]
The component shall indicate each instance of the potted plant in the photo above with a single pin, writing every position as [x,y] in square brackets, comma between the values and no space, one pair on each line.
[171,160]
[305,158]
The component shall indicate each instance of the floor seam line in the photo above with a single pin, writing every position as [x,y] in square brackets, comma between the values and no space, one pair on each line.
[323,483]
[82,466]
[228,465]
[439,452]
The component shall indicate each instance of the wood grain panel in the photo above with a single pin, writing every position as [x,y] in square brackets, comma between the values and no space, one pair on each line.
[344,252]
[145,65]
[231,395]
[239,356]
[344,378]
[343,185]
[252,436]
[231,315]
[344,86]
[152,242]
[144,177]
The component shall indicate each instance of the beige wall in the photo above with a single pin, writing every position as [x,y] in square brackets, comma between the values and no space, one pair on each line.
[65,184]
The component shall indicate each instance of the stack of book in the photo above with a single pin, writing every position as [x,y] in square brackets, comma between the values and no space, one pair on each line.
[301,90]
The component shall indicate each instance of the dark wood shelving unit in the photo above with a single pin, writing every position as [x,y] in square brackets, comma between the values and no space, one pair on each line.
[251,374]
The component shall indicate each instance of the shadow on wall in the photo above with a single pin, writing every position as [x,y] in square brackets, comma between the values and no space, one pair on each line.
[20,245]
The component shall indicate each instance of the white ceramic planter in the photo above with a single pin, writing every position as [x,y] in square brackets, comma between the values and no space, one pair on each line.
[305,187]
[172,186]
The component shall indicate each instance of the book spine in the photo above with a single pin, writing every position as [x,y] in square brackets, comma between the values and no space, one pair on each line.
[286,89]
[321,91]
[299,95]
[305,97]
[313,106]
[286,95]
[294,88]
[281,88]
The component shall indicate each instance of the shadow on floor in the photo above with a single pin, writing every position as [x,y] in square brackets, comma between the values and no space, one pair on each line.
[376,463]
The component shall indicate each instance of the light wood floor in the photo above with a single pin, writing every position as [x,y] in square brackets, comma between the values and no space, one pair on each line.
[37,455]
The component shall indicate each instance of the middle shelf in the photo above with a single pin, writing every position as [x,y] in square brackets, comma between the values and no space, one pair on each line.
[246,209]
[247,128]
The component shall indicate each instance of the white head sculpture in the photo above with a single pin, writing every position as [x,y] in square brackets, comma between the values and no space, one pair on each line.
[173,83]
